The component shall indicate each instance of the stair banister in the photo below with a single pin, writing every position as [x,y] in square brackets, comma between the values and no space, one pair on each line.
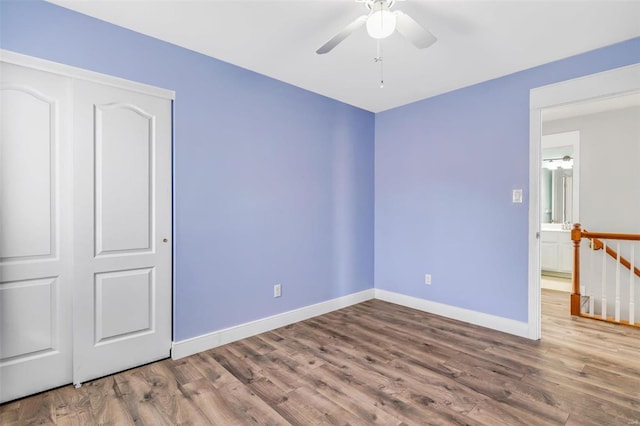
[576,237]
[577,234]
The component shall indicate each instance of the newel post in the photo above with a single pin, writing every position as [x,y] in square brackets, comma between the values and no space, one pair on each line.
[576,237]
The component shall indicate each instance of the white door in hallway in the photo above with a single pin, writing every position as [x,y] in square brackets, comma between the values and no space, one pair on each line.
[35,231]
[122,290]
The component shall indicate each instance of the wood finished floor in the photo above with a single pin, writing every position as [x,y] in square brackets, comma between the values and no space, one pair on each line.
[373,363]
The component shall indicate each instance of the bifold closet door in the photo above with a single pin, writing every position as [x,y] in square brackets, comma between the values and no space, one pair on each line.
[122,206]
[85,226]
[35,231]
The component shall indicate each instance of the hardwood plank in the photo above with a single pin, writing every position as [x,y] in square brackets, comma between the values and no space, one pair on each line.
[213,403]
[305,406]
[492,412]
[248,408]
[204,366]
[10,412]
[105,399]
[373,363]
[138,400]
[37,410]
[73,406]
[238,367]
[352,400]
[270,392]
[457,397]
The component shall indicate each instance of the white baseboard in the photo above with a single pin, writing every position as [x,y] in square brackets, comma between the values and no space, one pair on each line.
[212,340]
[207,341]
[493,322]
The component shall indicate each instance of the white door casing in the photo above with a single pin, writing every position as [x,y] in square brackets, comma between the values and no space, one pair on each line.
[122,290]
[604,84]
[35,231]
[85,225]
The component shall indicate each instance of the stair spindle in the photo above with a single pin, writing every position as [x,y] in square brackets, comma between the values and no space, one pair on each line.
[603,282]
[617,314]
[632,283]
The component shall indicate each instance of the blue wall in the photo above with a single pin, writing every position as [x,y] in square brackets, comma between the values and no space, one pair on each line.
[444,170]
[272,183]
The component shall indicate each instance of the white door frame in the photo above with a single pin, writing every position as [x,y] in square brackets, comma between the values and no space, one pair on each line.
[603,84]
[83,74]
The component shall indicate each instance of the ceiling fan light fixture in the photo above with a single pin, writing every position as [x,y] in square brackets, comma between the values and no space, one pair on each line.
[381,23]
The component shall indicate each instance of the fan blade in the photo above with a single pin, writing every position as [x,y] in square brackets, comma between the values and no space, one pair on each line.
[328,46]
[413,31]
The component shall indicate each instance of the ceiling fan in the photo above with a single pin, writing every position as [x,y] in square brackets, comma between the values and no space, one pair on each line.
[381,22]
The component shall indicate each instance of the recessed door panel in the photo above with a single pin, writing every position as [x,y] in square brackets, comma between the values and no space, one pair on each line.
[26,172]
[27,318]
[124,304]
[123,142]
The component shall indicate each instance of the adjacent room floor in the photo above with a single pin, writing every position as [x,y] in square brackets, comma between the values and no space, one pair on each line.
[555,282]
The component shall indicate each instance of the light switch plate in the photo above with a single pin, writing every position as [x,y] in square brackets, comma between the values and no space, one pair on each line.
[517,196]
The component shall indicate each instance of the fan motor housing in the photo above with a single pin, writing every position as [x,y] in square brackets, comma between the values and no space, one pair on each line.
[370,3]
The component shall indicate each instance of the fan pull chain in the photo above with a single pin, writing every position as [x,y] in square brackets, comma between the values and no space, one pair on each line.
[378,58]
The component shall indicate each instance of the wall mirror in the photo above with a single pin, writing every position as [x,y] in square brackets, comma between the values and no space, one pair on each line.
[558,186]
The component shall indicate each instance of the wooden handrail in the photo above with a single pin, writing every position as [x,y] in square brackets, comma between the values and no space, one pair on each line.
[598,244]
[607,236]
[577,234]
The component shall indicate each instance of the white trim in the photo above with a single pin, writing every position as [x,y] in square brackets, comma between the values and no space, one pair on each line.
[82,74]
[603,84]
[493,322]
[214,339]
[534,316]
[207,341]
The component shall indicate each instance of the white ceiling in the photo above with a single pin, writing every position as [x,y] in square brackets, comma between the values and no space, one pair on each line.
[478,40]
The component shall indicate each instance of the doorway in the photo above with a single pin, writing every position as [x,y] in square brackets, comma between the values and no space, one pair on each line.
[544,99]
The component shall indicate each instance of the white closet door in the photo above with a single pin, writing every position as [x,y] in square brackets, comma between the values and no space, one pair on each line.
[122,286]
[35,232]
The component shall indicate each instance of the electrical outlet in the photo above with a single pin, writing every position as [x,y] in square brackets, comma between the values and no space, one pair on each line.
[277,290]
[427,279]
